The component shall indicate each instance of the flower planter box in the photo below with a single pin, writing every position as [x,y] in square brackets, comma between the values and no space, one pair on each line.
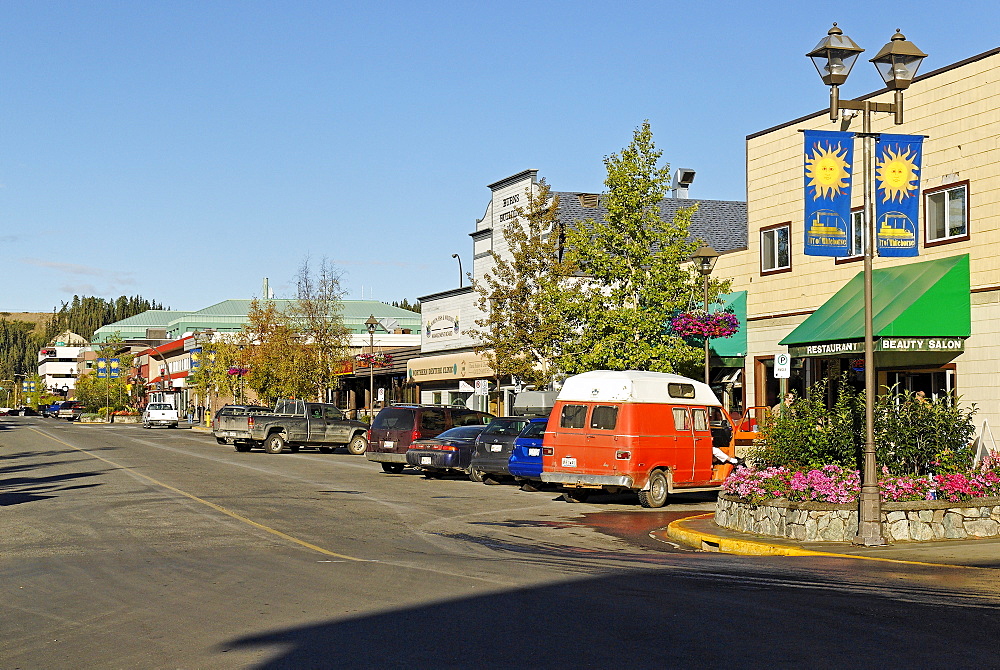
[918,521]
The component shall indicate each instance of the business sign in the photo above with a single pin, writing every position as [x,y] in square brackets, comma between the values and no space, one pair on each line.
[897,194]
[901,344]
[828,157]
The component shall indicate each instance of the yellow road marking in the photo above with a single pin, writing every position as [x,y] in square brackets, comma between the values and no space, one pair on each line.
[218,508]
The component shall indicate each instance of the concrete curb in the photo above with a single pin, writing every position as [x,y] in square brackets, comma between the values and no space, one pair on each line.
[681,532]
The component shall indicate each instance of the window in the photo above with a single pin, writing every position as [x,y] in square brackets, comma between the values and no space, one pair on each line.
[946,214]
[508,427]
[775,250]
[700,420]
[534,429]
[573,416]
[604,417]
[682,420]
[680,390]
[432,420]
[332,414]
[855,237]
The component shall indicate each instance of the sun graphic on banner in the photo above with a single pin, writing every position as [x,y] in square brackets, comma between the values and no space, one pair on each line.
[895,173]
[827,171]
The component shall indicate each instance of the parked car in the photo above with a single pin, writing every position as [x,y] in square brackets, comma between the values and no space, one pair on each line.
[397,426]
[229,424]
[49,411]
[647,432]
[160,414]
[293,424]
[525,462]
[492,452]
[24,410]
[71,410]
[449,451]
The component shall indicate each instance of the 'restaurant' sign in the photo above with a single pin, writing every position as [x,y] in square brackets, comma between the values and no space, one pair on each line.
[903,344]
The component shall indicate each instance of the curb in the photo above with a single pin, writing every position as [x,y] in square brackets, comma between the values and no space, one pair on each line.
[679,531]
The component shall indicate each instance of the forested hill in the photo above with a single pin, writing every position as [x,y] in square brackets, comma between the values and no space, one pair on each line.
[20,339]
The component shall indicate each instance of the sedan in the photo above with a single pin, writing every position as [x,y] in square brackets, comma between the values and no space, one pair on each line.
[526,456]
[492,453]
[449,451]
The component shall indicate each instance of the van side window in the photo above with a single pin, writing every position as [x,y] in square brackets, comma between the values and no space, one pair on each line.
[604,417]
[680,390]
[432,420]
[700,420]
[573,416]
[682,420]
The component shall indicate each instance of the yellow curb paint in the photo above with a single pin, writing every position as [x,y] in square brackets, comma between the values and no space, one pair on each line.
[218,508]
[679,531]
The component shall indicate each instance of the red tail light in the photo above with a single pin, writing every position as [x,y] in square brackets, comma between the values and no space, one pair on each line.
[547,451]
[447,447]
[415,435]
[249,422]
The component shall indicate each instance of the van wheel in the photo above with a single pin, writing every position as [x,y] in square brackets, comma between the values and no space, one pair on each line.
[392,468]
[274,444]
[576,495]
[476,475]
[358,445]
[656,496]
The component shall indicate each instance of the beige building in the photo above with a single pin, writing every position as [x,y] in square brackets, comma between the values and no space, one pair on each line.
[957,108]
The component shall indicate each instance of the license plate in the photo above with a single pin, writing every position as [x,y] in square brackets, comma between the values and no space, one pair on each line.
[569,462]
[388,444]
[534,452]
[496,447]
[425,460]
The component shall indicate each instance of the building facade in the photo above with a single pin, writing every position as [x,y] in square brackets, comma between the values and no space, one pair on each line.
[937,316]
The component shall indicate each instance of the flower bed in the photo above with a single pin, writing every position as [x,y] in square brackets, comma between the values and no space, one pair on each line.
[821,504]
[915,521]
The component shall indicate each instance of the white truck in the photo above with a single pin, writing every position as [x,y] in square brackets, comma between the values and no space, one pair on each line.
[160,414]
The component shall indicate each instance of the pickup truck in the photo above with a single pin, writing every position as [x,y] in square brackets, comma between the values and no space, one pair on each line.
[71,410]
[292,424]
[160,414]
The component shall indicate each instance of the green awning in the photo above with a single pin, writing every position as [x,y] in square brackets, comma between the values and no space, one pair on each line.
[735,346]
[921,301]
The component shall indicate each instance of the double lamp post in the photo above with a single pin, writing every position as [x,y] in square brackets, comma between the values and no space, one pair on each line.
[897,63]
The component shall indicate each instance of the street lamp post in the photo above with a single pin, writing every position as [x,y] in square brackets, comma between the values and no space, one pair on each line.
[371,324]
[461,275]
[704,259]
[897,63]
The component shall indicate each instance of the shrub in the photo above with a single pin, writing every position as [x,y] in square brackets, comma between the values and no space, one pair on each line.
[911,437]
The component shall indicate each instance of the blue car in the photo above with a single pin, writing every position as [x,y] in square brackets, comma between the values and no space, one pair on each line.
[526,456]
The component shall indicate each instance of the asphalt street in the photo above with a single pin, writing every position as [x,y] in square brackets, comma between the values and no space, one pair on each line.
[132,548]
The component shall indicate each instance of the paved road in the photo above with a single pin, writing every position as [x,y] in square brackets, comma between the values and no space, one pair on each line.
[125,548]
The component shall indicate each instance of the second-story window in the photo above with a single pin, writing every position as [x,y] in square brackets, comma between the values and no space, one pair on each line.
[946,214]
[775,251]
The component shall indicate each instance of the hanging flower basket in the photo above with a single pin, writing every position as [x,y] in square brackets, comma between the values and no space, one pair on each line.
[236,371]
[376,360]
[698,323]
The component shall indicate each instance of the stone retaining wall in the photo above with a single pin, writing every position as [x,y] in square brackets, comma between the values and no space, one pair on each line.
[824,522]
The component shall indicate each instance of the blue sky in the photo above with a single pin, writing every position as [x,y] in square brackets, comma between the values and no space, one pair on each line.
[183,151]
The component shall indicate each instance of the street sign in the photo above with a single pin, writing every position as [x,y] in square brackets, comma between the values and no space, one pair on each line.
[381,394]
[782,366]
[482,387]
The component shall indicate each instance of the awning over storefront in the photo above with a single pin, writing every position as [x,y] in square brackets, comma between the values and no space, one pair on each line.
[918,307]
[449,366]
[733,348]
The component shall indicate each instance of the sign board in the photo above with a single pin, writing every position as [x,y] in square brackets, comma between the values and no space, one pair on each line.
[482,387]
[381,394]
[465,386]
[782,366]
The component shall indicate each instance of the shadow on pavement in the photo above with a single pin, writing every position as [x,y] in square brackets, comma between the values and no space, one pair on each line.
[652,619]
[18,490]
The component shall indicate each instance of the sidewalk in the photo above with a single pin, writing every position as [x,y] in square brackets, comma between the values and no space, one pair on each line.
[702,533]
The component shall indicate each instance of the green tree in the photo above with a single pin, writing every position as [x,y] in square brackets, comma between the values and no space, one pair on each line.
[638,270]
[279,364]
[524,297]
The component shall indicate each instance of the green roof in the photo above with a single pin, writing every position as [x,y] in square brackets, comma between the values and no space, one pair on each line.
[134,327]
[736,345]
[926,299]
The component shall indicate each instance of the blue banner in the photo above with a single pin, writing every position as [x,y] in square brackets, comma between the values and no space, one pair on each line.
[102,367]
[828,159]
[897,194]
[113,369]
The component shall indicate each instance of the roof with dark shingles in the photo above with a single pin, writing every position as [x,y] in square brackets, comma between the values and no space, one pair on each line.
[722,224]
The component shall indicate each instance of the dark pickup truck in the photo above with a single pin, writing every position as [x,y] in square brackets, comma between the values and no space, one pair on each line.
[293,424]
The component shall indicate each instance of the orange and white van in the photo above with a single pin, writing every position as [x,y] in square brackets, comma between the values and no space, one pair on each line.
[649,432]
